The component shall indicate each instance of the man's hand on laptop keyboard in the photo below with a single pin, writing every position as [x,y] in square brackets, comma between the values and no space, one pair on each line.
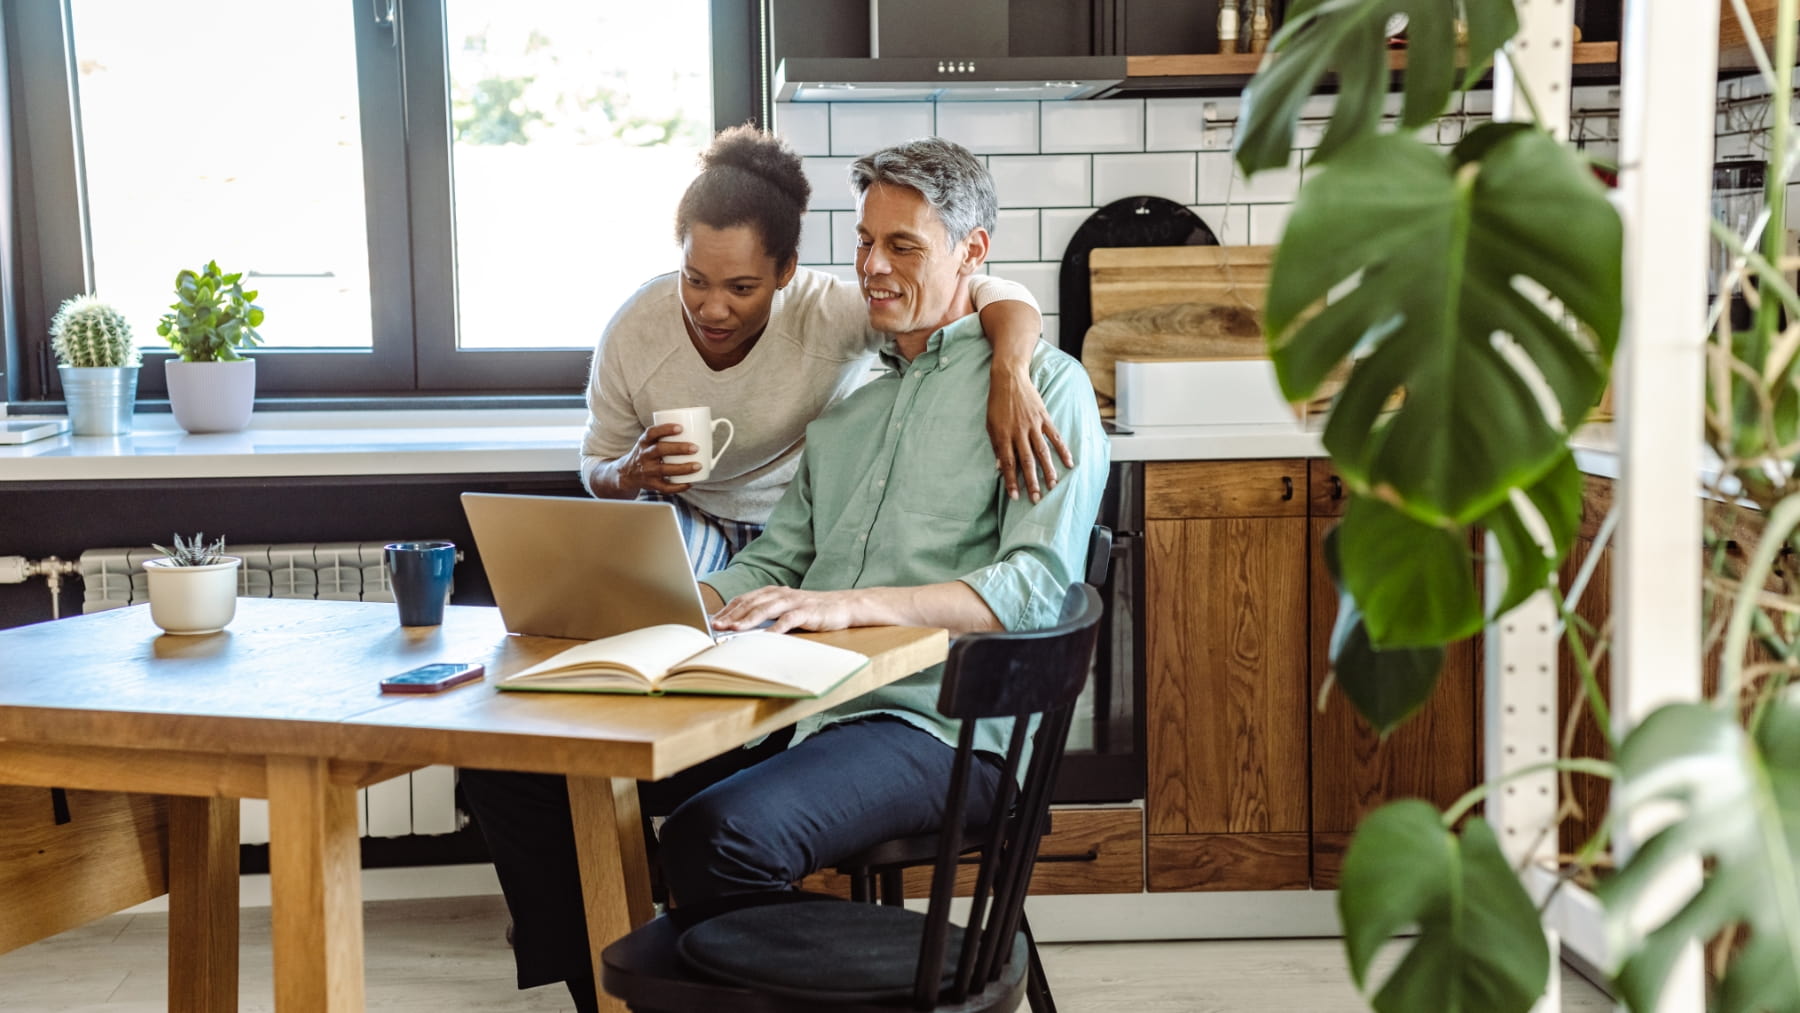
[784,608]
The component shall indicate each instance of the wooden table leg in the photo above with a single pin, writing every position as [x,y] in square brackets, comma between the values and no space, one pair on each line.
[615,875]
[203,904]
[315,880]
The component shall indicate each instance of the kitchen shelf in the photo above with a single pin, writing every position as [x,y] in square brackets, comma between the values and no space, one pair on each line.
[1224,72]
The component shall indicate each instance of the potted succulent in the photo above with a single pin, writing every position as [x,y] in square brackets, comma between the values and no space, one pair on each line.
[212,387]
[98,364]
[193,588]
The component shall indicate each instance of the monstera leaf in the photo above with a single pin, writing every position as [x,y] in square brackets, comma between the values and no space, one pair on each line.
[1347,37]
[1738,803]
[1433,262]
[1479,949]
[1385,687]
[1415,584]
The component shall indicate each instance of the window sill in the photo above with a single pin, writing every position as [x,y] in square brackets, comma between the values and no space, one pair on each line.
[408,441]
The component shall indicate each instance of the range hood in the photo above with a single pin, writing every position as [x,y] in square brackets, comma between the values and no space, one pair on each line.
[914,59]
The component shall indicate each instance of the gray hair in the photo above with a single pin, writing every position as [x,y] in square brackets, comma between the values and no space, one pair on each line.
[952,181]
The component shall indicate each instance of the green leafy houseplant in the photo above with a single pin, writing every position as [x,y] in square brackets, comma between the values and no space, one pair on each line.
[1413,266]
[88,333]
[212,318]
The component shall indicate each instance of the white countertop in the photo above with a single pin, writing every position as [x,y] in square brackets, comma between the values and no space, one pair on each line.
[295,444]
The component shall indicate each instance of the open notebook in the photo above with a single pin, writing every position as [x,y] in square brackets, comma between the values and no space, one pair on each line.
[673,658]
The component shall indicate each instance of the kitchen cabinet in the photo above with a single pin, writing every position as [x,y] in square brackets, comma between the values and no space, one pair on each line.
[1434,756]
[1226,685]
[1250,786]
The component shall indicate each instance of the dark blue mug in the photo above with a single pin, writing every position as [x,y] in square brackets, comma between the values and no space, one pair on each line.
[420,572]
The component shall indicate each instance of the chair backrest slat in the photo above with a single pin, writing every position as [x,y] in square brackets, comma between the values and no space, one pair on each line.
[1022,675]
[943,876]
[974,953]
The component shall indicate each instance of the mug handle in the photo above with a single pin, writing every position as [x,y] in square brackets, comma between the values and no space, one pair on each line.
[730,431]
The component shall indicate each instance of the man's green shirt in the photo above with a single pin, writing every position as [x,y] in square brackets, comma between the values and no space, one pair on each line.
[897,488]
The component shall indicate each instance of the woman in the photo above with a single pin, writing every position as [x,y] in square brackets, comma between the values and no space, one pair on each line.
[743,330]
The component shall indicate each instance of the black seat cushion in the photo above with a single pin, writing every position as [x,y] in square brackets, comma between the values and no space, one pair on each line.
[823,952]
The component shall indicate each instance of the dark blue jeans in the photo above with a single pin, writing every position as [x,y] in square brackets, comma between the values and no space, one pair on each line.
[751,821]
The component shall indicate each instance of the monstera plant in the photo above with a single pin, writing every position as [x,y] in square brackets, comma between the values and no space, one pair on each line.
[1481,289]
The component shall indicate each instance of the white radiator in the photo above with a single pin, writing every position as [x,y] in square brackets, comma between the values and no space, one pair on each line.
[422,802]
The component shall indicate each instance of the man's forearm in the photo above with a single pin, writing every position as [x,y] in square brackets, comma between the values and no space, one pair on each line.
[952,605]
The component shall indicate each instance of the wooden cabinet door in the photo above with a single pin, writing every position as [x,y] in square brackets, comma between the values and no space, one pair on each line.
[1226,685]
[1433,756]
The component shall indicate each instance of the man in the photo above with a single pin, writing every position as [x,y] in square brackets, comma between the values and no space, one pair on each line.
[897,515]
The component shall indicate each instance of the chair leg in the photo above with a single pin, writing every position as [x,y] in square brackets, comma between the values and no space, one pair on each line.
[1037,986]
[859,886]
[893,888]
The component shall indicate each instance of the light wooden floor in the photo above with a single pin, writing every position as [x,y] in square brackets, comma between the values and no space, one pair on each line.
[450,955]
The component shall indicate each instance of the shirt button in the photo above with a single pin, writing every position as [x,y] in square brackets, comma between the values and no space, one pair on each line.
[881,482]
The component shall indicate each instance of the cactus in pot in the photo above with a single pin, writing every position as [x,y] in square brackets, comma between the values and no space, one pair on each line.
[98,365]
[88,333]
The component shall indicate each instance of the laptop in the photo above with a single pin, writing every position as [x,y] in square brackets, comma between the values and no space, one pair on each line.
[583,568]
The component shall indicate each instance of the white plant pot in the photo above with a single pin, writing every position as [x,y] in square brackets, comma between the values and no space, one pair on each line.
[187,600]
[211,397]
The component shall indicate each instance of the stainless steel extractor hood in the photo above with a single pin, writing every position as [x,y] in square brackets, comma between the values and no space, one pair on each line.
[915,59]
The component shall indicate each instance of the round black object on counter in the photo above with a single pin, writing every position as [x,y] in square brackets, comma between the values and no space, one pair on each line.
[1129,221]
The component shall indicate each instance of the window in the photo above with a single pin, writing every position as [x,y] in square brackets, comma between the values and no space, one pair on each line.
[431,196]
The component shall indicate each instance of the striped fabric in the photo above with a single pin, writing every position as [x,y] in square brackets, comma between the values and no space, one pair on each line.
[711,541]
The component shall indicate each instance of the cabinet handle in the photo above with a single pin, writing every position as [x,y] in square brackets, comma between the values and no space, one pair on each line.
[1337,487]
[1287,488]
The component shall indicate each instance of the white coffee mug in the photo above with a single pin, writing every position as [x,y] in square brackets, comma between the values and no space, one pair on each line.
[697,427]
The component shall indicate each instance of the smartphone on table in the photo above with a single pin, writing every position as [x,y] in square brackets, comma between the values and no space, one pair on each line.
[432,678]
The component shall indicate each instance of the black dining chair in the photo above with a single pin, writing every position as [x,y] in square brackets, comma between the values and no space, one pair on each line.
[777,956]
[877,873]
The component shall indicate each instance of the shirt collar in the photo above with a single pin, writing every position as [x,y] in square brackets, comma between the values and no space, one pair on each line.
[950,334]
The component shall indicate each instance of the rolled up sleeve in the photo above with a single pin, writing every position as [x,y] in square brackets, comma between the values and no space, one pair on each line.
[1043,545]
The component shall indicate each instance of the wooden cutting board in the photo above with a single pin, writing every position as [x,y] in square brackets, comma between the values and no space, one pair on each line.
[1126,278]
[1181,302]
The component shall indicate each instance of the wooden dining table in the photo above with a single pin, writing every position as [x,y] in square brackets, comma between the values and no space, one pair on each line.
[156,737]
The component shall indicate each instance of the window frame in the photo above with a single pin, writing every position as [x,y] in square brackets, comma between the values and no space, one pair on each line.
[404,105]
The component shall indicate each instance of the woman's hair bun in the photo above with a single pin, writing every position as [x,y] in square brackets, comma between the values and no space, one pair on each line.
[762,154]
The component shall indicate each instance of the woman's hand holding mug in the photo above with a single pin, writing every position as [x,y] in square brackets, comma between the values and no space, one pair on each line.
[699,428]
[650,465]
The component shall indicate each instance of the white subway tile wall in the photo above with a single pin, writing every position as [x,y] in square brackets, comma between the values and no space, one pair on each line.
[1043,181]
[830,179]
[1055,163]
[1040,278]
[1093,126]
[1267,221]
[815,238]
[1166,174]
[843,237]
[1056,226]
[806,126]
[991,128]
[1230,224]
[1015,236]
[858,128]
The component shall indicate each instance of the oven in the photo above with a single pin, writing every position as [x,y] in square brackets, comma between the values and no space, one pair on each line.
[1105,757]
